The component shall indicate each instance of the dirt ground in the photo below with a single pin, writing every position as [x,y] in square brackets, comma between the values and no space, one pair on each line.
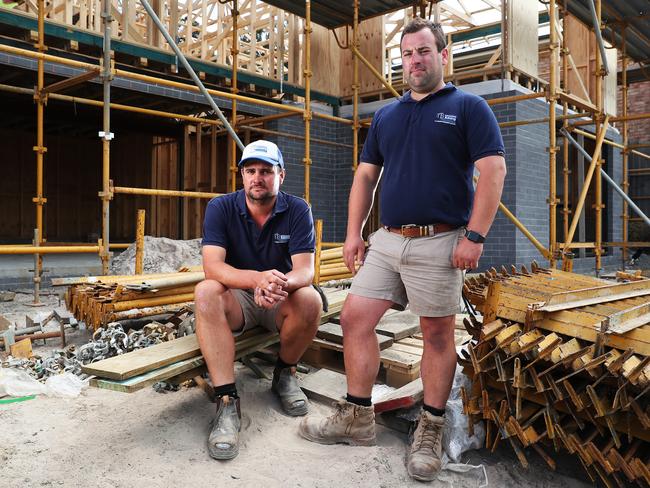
[104,438]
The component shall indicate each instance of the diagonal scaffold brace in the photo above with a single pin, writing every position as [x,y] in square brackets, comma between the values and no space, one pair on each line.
[191,72]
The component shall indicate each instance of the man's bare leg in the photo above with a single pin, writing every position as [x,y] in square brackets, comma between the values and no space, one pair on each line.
[438,359]
[218,313]
[359,318]
[353,423]
[437,372]
[298,320]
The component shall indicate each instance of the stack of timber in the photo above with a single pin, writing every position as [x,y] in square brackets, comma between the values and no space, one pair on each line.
[562,362]
[332,266]
[103,299]
[174,361]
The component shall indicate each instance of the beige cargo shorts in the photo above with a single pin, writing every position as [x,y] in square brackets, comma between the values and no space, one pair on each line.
[254,315]
[417,271]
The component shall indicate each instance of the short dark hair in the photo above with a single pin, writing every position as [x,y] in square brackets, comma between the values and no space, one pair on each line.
[418,23]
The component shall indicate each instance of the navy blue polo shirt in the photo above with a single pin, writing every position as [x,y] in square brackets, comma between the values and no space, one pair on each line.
[428,149]
[289,231]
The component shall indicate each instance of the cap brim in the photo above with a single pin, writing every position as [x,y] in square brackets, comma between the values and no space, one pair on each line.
[261,159]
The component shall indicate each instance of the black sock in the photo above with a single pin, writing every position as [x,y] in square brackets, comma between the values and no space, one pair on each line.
[434,411]
[364,402]
[230,389]
[280,364]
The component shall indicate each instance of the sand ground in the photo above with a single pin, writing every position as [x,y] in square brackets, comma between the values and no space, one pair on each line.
[109,439]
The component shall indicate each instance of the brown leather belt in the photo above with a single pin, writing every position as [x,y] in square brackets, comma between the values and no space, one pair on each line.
[412,230]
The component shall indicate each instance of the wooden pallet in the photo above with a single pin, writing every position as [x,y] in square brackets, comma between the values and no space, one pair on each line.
[400,362]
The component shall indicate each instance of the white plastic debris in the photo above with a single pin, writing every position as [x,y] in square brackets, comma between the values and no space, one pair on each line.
[475,476]
[17,382]
[380,391]
[65,385]
[456,439]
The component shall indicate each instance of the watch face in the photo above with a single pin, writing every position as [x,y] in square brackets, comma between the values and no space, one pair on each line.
[474,236]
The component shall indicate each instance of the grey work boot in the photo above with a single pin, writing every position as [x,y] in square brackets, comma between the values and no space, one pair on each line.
[223,442]
[292,398]
[349,424]
[423,461]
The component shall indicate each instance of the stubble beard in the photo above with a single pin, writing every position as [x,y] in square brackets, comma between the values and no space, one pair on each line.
[426,83]
[260,199]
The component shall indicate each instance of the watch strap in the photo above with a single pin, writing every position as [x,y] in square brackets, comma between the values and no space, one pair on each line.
[474,236]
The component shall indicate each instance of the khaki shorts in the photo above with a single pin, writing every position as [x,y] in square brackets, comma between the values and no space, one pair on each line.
[254,315]
[416,271]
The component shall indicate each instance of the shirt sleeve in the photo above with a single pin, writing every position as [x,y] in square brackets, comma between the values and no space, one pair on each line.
[371,152]
[303,236]
[215,225]
[483,133]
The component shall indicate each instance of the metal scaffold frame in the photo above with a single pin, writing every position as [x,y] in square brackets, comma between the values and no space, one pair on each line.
[555,93]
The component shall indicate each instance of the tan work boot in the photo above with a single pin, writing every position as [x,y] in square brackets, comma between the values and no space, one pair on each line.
[424,462]
[223,442]
[350,424]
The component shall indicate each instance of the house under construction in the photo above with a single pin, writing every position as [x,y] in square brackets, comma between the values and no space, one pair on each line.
[101,117]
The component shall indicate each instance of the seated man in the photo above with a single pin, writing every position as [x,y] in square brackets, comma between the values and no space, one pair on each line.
[258,258]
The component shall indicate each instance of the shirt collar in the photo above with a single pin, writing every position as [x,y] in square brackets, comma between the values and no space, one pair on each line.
[281,203]
[407,98]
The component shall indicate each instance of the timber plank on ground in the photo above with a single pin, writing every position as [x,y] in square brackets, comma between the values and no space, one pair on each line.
[135,383]
[333,333]
[143,360]
[399,325]
[324,385]
[137,362]
[195,366]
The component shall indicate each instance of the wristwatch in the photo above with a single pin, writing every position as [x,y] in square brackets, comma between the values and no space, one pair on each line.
[474,236]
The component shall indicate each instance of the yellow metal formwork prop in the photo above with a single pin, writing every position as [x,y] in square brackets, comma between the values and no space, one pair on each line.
[561,362]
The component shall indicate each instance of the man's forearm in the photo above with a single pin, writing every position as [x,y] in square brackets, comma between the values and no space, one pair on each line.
[487,198]
[359,204]
[230,277]
[299,278]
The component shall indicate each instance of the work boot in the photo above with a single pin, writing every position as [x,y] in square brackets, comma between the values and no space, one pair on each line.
[223,442]
[292,398]
[350,424]
[423,462]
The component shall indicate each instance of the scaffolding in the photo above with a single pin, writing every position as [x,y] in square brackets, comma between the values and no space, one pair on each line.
[554,91]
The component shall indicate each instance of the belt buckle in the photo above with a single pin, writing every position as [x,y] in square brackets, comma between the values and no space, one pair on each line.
[423,230]
[404,228]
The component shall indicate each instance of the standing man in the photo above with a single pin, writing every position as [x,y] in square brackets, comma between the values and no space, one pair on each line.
[258,258]
[428,143]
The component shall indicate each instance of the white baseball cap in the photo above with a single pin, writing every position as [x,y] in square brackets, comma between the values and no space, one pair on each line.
[264,151]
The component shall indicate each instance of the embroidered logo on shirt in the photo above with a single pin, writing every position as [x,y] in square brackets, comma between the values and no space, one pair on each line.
[281,238]
[443,118]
